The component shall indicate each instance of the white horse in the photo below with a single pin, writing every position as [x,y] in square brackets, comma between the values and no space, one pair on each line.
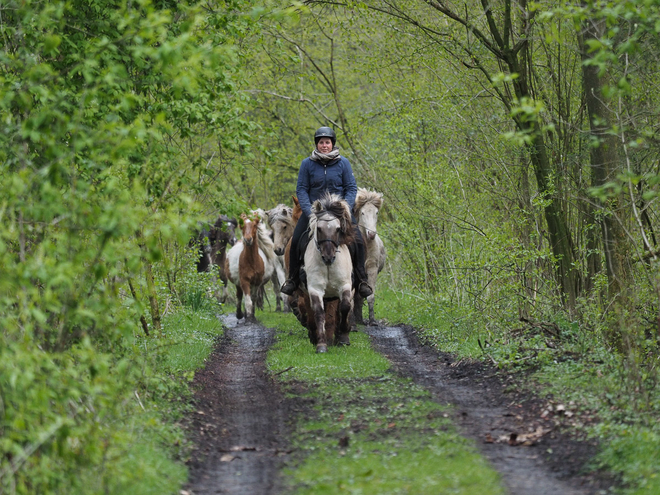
[250,263]
[328,265]
[367,205]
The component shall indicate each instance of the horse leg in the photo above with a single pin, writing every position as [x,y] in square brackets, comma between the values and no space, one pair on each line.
[239,302]
[278,294]
[357,309]
[249,305]
[372,274]
[319,319]
[372,319]
[344,325]
[331,320]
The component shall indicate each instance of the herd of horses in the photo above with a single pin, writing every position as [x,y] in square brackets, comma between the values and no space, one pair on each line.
[326,302]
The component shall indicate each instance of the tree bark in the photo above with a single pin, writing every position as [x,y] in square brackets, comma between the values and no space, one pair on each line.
[604,161]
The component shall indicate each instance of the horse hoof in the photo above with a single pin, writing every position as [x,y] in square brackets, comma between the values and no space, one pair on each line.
[321,348]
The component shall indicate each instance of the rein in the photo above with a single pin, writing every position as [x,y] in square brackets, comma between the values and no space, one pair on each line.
[318,247]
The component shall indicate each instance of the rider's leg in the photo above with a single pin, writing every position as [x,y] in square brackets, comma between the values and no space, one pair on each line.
[358,264]
[293,276]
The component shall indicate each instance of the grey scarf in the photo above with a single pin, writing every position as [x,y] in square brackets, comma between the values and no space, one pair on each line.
[317,156]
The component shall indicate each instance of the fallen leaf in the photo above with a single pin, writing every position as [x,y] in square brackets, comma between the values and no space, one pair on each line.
[227,458]
[489,438]
[391,425]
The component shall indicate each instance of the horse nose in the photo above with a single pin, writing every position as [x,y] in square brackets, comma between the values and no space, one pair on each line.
[248,242]
[232,241]
[371,235]
[279,251]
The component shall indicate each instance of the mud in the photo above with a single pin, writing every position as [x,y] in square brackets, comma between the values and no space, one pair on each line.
[239,428]
[242,421]
[487,411]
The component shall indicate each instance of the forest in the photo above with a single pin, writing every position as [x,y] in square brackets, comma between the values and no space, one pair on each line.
[516,144]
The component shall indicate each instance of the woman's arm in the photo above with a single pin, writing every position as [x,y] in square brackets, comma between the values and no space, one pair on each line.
[350,186]
[302,189]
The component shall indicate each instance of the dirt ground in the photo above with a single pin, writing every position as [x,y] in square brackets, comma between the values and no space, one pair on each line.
[242,421]
[240,424]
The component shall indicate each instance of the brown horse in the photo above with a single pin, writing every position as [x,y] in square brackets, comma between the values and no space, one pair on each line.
[250,263]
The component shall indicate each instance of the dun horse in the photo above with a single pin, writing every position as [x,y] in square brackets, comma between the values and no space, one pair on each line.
[281,222]
[250,264]
[367,205]
[328,265]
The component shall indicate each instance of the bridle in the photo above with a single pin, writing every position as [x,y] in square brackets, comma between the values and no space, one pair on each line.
[318,242]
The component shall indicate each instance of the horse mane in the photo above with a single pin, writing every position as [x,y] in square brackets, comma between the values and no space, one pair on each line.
[337,207]
[280,213]
[365,196]
[264,241]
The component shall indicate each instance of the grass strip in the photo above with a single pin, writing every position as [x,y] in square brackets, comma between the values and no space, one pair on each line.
[367,430]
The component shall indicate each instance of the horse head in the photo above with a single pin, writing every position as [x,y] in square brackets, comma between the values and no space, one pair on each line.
[367,205]
[249,228]
[297,210]
[280,220]
[330,226]
[224,230]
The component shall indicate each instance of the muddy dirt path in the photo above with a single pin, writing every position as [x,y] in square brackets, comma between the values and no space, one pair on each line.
[239,427]
[484,412]
[242,422]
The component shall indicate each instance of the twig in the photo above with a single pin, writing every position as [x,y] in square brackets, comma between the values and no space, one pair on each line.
[283,371]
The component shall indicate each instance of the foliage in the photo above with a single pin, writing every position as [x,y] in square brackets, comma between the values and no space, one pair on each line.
[101,107]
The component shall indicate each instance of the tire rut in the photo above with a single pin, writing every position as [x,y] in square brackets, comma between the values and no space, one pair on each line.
[239,427]
[480,410]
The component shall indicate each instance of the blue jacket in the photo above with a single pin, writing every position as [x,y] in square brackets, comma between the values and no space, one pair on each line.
[314,179]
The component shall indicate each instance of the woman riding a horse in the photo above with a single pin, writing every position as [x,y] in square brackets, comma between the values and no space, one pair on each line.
[325,171]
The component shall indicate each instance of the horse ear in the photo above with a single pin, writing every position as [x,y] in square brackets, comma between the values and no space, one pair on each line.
[295,200]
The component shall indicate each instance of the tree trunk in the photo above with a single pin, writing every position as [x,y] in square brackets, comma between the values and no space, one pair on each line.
[604,160]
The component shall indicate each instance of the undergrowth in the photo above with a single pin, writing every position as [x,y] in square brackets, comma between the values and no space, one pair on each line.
[368,431]
[83,421]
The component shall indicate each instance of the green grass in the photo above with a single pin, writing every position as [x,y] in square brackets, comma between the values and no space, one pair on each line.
[440,323]
[627,413]
[369,431]
[189,338]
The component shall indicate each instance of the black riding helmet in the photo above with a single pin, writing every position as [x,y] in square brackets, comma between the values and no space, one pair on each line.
[325,132]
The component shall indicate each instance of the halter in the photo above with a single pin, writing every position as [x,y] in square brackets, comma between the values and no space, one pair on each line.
[318,247]
[317,241]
